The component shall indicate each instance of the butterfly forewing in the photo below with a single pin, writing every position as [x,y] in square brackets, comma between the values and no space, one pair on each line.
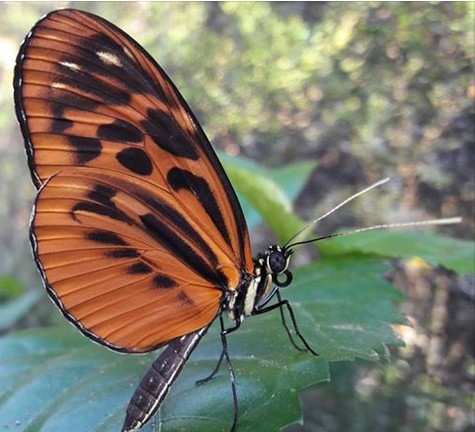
[137,230]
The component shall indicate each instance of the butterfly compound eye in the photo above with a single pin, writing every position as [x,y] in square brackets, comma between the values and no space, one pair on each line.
[277,260]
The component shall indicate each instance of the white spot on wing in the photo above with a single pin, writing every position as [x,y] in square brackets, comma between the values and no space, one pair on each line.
[58,85]
[128,53]
[109,58]
[69,65]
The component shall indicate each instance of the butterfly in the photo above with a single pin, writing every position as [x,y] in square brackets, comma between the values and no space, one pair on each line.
[136,230]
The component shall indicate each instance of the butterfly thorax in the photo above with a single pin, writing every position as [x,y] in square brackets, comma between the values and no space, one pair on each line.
[257,289]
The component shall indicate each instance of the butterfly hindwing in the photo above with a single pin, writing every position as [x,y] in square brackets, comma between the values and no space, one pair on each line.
[136,223]
[120,284]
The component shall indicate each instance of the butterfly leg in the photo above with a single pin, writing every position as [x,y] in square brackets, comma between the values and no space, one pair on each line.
[284,323]
[225,355]
[215,371]
[224,333]
[280,304]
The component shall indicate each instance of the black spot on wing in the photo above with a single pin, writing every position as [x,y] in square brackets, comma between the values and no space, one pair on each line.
[181,249]
[101,204]
[184,299]
[120,131]
[163,282]
[182,179]
[102,42]
[94,208]
[176,219]
[64,100]
[105,237]
[102,194]
[139,268]
[168,135]
[85,149]
[123,253]
[60,125]
[135,160]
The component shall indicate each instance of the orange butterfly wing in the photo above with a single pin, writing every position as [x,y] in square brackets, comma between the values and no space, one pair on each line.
[136,228]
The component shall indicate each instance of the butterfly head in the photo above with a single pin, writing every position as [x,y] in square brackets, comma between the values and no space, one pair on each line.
[272,272]
[277,262]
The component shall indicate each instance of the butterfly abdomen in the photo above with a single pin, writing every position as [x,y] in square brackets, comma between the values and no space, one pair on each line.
[156,383]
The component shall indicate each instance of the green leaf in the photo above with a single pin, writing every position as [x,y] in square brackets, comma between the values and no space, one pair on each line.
[268,198]
[291,177]
[54,379]
[454,254]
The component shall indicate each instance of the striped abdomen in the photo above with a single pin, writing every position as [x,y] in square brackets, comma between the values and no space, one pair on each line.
[156,383]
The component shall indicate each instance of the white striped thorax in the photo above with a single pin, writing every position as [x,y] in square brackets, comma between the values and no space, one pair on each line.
[258,289]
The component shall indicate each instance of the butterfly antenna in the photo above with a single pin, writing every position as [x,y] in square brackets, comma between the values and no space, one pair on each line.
[329,212]
[447,221]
